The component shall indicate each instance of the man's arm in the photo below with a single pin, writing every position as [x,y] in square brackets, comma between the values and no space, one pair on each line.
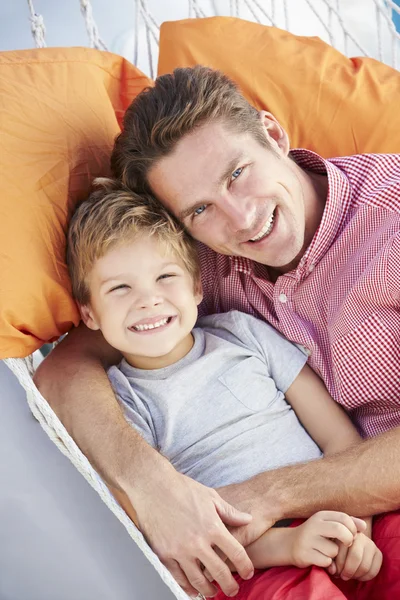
[182,520]
[361,478]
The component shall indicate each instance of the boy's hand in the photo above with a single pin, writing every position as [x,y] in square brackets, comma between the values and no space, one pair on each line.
[313,540]
[362,560]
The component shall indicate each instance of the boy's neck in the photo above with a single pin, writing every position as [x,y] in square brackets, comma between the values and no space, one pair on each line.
[151,363]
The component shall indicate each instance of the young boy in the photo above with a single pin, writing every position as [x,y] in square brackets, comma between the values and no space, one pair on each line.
[223,400]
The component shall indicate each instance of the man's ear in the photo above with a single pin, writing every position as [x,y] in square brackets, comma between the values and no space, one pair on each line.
[198,292]
[275,132]
[88,317]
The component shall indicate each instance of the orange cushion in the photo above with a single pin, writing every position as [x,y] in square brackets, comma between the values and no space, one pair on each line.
[329,103]
[60,110]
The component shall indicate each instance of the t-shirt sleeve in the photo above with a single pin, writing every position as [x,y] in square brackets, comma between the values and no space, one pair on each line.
[131,406]
[283,358]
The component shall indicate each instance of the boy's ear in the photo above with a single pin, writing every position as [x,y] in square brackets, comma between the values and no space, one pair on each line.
[198,292]
[87,317]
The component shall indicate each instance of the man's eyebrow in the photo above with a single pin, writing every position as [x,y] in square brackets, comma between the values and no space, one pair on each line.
[232,165]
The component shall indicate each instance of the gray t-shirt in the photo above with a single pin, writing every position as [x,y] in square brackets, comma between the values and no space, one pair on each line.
[219,414]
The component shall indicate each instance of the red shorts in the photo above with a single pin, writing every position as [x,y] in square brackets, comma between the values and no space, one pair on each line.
[314,583]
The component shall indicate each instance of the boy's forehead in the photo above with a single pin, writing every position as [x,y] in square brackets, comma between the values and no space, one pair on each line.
[136,256]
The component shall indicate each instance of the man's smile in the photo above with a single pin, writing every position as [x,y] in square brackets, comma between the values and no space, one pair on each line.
[265,230]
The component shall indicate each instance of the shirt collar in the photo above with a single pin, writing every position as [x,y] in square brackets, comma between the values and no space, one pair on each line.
[336,208]
[337,205]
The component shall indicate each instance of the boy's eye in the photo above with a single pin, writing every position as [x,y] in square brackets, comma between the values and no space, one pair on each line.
[199,210]
[236,173]
[166,275]
[122,286]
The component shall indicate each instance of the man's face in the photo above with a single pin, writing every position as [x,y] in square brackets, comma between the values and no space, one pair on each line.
[235,195]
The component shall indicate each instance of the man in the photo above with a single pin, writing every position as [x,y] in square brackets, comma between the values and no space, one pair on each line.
[313,247]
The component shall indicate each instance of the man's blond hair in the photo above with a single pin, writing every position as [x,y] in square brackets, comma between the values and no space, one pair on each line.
[114,215]
[178,104]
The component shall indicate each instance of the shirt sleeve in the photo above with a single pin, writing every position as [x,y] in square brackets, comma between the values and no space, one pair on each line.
[131,405]
[207,259]
[393,270]
[283,358]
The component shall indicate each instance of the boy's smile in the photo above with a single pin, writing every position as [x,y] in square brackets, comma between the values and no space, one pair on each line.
[143,300]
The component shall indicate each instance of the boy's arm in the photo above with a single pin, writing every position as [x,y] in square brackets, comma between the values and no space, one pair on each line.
[182,520]
[310,543]
[324,420]
[322,417]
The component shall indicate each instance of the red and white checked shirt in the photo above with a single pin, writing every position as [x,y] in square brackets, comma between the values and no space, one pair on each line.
[342,303]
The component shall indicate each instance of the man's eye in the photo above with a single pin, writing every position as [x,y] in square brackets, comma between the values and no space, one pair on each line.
[122,286]
[236,173]
[199,210]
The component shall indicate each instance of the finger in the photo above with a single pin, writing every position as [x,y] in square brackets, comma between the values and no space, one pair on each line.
[375,567]
[319,560]
[231,515]
[360,524]
[327,547]
[180,577]
[197,580]
[220,573]
[353,560]
[236,554]
[341,518]
[366,563]
[332,568]
[337,531]
[341,559]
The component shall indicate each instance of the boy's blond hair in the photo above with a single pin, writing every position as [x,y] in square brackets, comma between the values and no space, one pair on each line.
[112,216]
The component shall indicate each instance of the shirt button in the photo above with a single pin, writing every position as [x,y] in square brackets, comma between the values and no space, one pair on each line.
[311,268]
[282,298]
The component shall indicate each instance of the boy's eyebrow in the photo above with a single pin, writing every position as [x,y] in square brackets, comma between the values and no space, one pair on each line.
[121,276]
[224,176]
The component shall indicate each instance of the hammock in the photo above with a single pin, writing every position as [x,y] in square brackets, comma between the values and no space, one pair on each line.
[330,22]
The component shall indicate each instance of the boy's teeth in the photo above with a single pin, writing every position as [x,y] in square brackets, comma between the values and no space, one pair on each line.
[266,230]
[144,327]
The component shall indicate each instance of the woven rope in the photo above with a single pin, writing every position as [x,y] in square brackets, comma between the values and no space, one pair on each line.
[327,12]
[37,27]
[91,27]
[59,435]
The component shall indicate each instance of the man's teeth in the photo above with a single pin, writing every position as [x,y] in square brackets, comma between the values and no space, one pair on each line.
[266,230]
[144,327]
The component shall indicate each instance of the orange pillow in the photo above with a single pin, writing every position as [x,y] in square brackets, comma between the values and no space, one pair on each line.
[329,103]
[60,112]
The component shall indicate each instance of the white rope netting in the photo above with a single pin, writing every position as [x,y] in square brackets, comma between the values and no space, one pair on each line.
[327,18]
[356,28]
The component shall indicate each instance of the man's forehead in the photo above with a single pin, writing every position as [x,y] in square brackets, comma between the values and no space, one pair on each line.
[197,165]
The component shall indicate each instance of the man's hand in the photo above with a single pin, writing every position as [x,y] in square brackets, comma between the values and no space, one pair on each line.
[362,560]
[248,498]
[316,542]
[184,523]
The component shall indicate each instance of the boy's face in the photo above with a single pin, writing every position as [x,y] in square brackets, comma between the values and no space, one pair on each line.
[143,300]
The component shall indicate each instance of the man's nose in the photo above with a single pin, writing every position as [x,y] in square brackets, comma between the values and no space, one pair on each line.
[239,213]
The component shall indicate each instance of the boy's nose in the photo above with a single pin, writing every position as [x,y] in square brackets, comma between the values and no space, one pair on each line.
[147,300]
